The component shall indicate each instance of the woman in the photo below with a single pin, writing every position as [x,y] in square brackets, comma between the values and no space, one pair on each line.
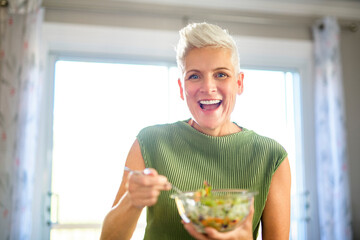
[206,147]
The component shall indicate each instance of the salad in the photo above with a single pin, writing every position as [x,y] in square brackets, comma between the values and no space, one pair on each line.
[222,210]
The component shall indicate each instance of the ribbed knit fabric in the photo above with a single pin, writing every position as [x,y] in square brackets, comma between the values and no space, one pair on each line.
[187,157]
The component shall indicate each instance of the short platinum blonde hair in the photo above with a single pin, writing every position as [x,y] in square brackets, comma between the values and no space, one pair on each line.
[199,35]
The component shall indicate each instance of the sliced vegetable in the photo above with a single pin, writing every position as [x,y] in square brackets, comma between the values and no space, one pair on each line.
[221,212]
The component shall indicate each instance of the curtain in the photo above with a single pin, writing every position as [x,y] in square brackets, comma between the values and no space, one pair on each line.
[20,91]
[331,154]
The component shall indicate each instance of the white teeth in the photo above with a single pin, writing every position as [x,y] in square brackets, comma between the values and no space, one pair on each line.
[210,101]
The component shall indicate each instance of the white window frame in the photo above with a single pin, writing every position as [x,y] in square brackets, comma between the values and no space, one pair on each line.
[131,44]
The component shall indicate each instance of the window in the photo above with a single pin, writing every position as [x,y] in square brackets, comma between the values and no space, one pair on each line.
[100,107]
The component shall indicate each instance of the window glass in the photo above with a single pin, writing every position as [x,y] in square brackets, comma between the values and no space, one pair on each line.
[98,110]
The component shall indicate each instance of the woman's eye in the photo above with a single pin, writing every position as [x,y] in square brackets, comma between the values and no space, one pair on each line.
[193,76]
[221,75]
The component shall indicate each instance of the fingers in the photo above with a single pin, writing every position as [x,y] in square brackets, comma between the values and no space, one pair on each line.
[252,210]
[192,231]
[144,188]
[248,221]
[243,232]
[149,171]
[150,177]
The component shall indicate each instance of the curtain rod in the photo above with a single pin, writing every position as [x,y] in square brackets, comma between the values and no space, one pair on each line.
[4,3]
[349,26]
[345,25]
[352,27]
[23,7]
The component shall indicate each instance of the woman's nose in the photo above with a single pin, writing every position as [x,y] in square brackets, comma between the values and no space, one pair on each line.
[208,85]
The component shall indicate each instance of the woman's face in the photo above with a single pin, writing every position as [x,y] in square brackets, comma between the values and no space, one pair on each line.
[210,86]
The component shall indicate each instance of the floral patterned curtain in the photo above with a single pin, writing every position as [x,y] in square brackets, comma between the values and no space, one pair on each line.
[331,156]
[20,92]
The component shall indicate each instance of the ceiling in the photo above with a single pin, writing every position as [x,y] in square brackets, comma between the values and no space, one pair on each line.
[344,9]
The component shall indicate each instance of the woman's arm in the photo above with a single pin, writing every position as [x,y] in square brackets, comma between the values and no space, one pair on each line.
[135,192]
[276,214]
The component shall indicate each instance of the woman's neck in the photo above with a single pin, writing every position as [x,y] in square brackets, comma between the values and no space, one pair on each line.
[218,132]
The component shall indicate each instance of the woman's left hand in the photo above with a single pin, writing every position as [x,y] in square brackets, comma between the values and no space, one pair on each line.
[243,232]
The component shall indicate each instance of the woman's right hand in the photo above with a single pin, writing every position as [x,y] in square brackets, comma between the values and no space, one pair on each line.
[243,232]
[144,189]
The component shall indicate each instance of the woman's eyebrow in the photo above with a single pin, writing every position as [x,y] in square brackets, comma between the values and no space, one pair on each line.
[222,68]
[216,69]
[192,70]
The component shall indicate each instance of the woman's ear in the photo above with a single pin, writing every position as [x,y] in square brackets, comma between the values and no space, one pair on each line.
[240,83]
[181,89]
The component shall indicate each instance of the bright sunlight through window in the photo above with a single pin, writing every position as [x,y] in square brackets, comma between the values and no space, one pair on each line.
[100,107]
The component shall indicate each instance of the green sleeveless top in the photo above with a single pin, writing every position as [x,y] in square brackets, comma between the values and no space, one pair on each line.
[187,157]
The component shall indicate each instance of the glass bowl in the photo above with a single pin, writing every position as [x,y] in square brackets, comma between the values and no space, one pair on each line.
[224,210]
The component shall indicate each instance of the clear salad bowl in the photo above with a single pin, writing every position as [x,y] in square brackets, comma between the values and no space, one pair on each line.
[223,209]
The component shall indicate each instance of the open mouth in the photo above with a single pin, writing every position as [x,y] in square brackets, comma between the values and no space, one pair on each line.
[209,104]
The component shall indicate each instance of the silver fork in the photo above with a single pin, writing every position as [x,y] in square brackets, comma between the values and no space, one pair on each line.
[140,173]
